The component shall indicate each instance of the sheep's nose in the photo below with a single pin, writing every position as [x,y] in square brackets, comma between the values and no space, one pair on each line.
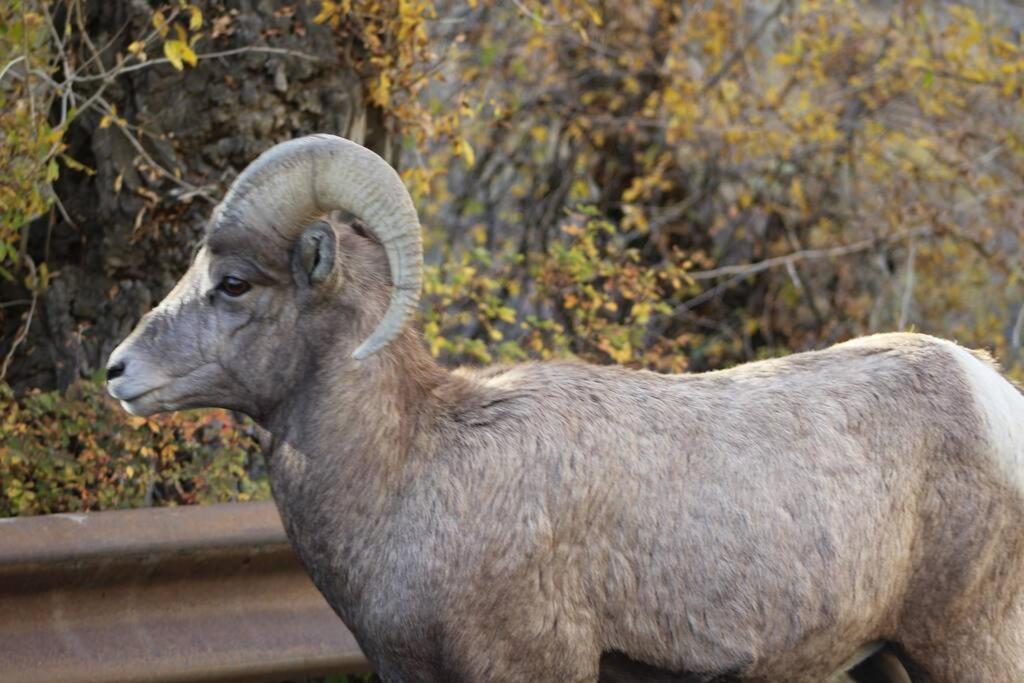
[115,370]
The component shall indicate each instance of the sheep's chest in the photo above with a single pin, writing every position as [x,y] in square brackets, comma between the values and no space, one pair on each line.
[386,601]
[373,573]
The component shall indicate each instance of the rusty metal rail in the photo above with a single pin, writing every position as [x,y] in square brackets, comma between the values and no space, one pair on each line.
[168,595]
[182,594]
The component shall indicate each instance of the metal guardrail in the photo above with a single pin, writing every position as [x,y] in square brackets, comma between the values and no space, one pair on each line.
[210,593]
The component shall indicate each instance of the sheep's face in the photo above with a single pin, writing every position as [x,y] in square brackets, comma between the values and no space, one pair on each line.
[243,326]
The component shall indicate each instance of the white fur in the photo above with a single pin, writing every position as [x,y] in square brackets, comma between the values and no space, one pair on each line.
[1001,405]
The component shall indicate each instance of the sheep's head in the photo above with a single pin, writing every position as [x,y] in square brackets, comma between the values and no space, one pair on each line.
[273,284]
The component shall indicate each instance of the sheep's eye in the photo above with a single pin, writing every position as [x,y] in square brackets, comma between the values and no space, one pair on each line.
[233,286]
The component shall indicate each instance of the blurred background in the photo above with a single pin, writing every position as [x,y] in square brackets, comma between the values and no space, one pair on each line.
[663,185]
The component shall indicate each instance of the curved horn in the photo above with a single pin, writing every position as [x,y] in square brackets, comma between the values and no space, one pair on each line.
[294,181]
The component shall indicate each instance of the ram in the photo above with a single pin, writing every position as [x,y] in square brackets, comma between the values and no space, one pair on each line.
[561,521]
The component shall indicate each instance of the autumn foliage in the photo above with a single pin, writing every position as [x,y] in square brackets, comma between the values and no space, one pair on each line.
[675,186]
[697,184]
[81,452]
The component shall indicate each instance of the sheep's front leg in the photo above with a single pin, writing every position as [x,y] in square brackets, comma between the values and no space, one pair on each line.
[494,648]
[515,643]
[535,664]
[406,671]
[496,667]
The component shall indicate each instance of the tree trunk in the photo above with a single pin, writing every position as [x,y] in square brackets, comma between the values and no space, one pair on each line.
[187,134]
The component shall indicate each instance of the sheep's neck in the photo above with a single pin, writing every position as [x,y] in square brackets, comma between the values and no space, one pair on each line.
[340,453]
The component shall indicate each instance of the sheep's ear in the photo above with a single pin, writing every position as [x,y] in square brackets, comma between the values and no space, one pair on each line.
[313,255]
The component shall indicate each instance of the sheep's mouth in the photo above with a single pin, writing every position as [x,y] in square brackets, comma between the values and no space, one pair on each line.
[173,393]
[136,396]
[156,400]
[134,403]
[135,409]
[126,394]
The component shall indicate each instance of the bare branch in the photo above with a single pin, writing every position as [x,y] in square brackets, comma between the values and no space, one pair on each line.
[120,71]
[23,332]
[908,285]
[190,189]
[738,273]
[529,13]
[742,49]
[8,65]
[804,255]
[1018,329]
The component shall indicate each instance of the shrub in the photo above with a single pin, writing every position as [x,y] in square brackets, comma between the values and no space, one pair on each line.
[81,452]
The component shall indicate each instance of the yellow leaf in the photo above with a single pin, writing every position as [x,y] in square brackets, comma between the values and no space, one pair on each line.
[189,56]
[634,217]
[633,192]
[178,53]
[464,150]
[642,312]
[172,50]
[76,165]
[159,23]
[729,90]
[195,20]
[137,48]
[796,191]
[381,94]
[327,10]
[621,354]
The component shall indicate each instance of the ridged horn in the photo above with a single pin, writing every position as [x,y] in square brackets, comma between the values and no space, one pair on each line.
[295,181]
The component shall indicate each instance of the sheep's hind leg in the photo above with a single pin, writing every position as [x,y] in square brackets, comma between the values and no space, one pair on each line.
[884,666]
[989,651]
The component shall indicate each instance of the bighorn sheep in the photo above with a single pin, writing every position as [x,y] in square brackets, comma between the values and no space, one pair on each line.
[564,522]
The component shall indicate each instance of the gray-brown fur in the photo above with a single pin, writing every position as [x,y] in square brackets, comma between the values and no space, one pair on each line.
[755,524]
